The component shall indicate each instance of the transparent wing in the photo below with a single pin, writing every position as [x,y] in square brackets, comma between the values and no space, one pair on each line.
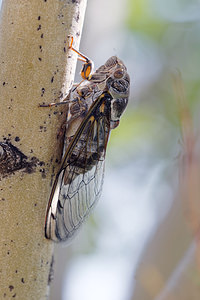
[78,185]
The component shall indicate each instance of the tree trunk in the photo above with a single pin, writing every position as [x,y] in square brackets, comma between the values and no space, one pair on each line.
[36,67]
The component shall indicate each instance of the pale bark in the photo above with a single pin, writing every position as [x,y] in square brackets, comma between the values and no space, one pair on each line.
[36,67]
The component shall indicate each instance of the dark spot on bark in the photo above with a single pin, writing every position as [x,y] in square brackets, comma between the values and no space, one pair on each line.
[34,159]
[60,95]
[40,46]
[76,1]
[35,204]
[12,160]
[43,173]
[78,33]
[4,295]
[17,139]
[43,90]
[39,18]
[22,280]
[77,17]
[64,49]
[14,295]
[39,58]
[51,271]
[52,79]
[39,27]
[8,252]
[42,35]
[6,139]
[60,16]
[4,83]
[43,129]
[11,287]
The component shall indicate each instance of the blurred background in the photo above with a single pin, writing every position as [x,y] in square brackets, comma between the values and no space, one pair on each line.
[142,240]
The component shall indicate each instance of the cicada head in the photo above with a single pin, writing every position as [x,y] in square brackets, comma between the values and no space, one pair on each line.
[118,85]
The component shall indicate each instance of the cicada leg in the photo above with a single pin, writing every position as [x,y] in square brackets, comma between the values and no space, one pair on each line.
[65,100]
[88,65]
[86,73]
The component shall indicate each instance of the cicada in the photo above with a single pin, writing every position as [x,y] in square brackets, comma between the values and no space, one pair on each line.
[95,107]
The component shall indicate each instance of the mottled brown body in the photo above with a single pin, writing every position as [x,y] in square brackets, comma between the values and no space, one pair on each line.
[95,107]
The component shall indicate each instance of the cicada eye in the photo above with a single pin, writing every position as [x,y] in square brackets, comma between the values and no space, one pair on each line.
[118,106]
[119,73]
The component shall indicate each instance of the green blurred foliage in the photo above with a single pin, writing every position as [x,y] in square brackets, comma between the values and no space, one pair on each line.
[151,122]
[142,19]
